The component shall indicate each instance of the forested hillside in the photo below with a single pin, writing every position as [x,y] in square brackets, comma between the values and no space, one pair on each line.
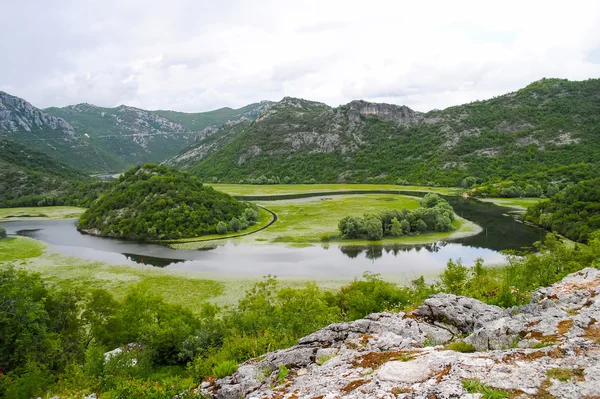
[27,172]
[574,212]
[547,131]
[153,202]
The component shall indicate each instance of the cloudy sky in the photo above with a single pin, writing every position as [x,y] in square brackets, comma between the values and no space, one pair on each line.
[200,55]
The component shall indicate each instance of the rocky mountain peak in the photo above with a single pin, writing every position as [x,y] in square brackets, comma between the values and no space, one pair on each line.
[17,114]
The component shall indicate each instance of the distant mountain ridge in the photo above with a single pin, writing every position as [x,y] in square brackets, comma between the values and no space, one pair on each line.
[547,131]
[98,139]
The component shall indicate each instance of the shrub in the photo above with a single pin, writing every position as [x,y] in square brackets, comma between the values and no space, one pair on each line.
[221,228]
[225,369]
[2,232]
[460,346]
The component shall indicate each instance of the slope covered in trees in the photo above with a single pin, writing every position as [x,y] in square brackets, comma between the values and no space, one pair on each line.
[153,202]
[574,212]
[25,172]
[544,132]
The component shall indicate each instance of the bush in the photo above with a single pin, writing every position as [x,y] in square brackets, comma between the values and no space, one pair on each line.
[2,232]
[235,225]
[221,228]
[225,369]
[460,346]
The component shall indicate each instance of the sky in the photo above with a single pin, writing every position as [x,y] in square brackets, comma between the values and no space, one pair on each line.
[200,55]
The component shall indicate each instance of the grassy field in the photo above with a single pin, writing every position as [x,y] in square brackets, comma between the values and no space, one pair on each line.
[309,221]
[519,203]
[42,212]
[275,189]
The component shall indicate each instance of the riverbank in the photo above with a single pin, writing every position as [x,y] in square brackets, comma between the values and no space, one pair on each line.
[313,221]
[186,288]
[283,189]
[520,204]
[40,213]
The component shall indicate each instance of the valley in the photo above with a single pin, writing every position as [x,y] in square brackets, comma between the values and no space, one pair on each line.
[217,237]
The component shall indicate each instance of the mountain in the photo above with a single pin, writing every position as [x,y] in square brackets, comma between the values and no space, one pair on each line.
[96,139]
[201,120]
[549,130]
[28,172]
[138,136]
[22,122]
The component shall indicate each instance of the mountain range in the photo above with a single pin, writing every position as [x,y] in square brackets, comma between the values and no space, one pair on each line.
[547,131]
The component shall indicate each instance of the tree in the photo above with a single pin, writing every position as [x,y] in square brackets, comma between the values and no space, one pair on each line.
[405,226]
[430,200]
[468,182]
[454,277]
[235,225]
[2,232]
[221,227]
[396,228]
[287,180]
[552,190]
[251,215]
[372,227]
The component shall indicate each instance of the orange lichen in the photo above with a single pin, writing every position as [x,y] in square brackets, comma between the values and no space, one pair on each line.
[592,332]
[564,326]
[376,359]
[353,385]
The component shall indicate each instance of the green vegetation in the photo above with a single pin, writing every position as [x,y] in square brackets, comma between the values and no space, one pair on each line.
[285,189]
[42,212]
[477,386]
[155,202]
[436,215]
[26,172]
[566,374]
[544,133]
[574,212]
[2,232]
[64,330]
[14,249]
[460,346]
[310,221]
[520,203]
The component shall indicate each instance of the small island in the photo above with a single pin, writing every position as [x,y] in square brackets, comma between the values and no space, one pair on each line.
[155,202]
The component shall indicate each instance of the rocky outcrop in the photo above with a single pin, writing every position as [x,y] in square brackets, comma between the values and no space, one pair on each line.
[397,113]
[549,348]
[17,114]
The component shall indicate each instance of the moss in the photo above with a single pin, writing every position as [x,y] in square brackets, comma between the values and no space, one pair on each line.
[376,359]
[460,346]
[566,374]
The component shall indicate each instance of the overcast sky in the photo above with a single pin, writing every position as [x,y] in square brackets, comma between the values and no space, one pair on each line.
[200,55]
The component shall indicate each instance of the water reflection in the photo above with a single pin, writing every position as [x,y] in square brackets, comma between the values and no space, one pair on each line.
[500,233]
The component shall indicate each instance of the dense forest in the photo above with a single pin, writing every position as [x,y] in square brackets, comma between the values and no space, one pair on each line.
[54,341]
[543,133]
[153,202]
[574,212]
[25,172]
[436,215]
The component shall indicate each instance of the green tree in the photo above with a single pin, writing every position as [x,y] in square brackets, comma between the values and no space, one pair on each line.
[396,228]
[454,278]
[235,225]
[221,228]
[372,227]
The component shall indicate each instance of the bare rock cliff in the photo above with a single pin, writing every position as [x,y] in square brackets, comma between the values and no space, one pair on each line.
[549,348]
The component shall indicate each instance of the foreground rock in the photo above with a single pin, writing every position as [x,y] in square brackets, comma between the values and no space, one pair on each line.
[549,348]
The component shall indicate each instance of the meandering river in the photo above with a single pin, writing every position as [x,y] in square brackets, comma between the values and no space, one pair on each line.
[499,232]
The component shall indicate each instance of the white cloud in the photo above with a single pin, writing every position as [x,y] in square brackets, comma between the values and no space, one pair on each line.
[200,55]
